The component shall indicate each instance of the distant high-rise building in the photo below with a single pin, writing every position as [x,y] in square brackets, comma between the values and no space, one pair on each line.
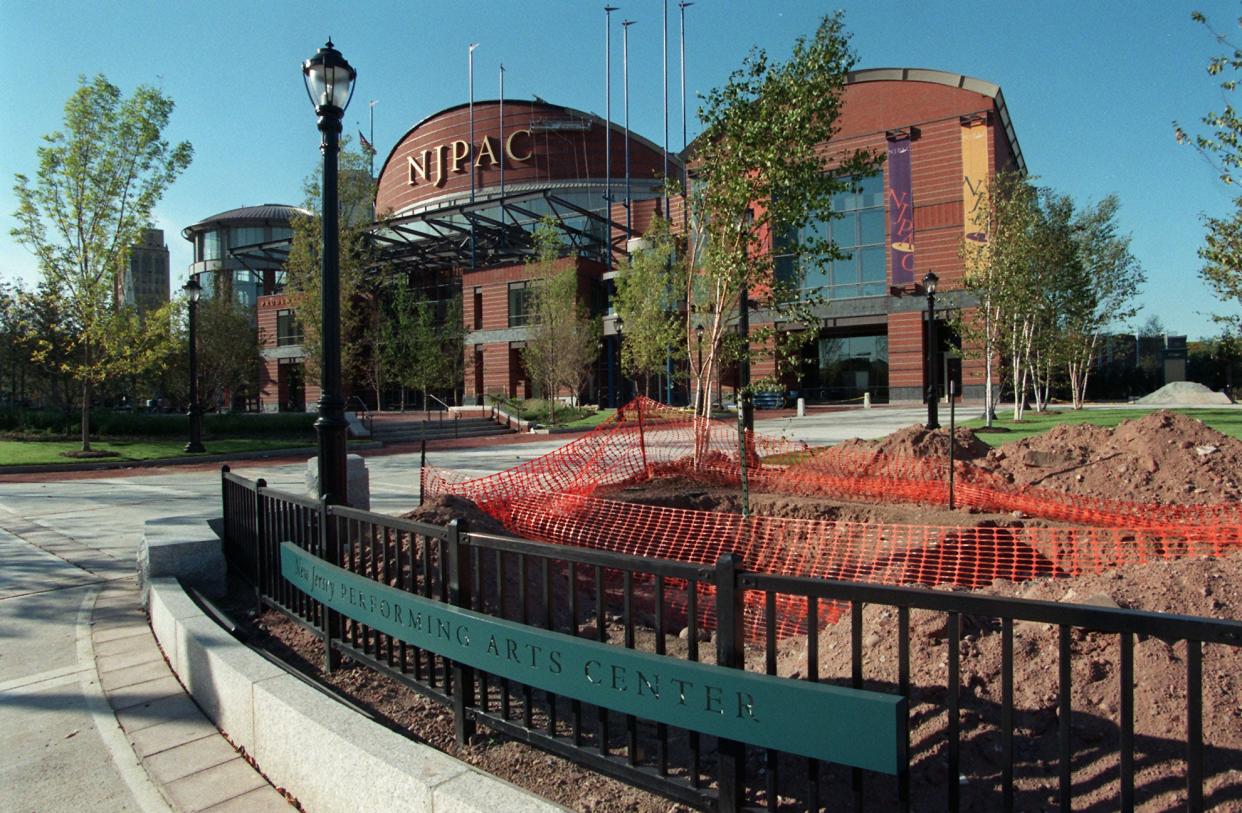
[144,284]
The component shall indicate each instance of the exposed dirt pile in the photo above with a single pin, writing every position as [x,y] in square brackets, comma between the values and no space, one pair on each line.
[1207,587]
[918,441]
[1184,393]
[1164,457]
[447,507]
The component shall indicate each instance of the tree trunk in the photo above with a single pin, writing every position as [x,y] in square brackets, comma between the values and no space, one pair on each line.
[86,399]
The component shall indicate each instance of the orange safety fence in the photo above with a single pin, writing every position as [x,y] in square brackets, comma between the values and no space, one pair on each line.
[551,499]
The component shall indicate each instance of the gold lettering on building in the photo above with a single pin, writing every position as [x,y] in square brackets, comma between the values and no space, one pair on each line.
[460,152]
[429,166]
[485,151]
[530,151]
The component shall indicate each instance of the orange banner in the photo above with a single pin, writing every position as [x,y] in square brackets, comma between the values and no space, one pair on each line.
[974,179]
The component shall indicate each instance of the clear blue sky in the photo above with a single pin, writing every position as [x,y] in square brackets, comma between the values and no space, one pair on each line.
[1092,87]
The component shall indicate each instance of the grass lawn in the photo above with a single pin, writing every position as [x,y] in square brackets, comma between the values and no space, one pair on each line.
[40,452]
[589,421]
[1227,421]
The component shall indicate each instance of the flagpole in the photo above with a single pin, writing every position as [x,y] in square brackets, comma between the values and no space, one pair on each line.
[502,137]
[608,10]
[664,78]
[371,109]
[625,78]
[470,151]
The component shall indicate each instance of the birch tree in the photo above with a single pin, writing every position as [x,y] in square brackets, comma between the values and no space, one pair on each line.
[761,168]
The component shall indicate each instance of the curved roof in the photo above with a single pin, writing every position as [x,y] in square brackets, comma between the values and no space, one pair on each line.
[955,80]
[555,108]
[265,213]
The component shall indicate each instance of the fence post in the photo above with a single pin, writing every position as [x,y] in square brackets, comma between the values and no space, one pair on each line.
[330,547]
[260,540]
[952,432]
[730,652]
[459,581]
[422,471]
[224,501]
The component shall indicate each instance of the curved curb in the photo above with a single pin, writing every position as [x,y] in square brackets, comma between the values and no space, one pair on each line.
[322,753]
[162,462]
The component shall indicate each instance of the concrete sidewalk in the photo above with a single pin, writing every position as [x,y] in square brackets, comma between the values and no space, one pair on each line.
[91,717]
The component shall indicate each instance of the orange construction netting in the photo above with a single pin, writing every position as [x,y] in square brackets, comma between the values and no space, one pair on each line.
[552,498]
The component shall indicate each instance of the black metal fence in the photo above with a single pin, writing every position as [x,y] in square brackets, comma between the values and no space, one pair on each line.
[970,744]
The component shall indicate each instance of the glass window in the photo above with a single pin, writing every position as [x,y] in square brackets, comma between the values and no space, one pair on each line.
[211,246]
[858,231]
[246,236]
[288,331]
[521,302]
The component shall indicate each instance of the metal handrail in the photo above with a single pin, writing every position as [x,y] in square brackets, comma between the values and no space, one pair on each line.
[364,413]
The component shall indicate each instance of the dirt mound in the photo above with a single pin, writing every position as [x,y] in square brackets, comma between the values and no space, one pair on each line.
[1184,393]
[919,441]
[1206,587]
[1163,457]
[447,507]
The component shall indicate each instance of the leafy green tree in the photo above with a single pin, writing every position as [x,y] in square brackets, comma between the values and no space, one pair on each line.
[561,339]
[1100,285]
[650,293]
[413,344]
[228,354]
[97,182]
[759,169]
[360,324]
[1221,144]
[998,273]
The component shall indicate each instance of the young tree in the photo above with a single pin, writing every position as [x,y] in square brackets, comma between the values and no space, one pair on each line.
[649,297]
[97,182]
[228,350]
[359,301]
[998,274]
[411,343]
[561,339]
[1101,285]
[760,170]
[1221,144]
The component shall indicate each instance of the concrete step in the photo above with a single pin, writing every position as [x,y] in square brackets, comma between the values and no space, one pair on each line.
[434,430]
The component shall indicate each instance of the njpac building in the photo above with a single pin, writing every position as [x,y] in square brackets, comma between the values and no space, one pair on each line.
[459,195]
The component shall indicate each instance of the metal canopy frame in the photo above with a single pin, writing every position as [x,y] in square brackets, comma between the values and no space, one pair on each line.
[439,239]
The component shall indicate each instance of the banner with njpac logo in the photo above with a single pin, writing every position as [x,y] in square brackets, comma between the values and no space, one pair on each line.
[900,212]
[974,179]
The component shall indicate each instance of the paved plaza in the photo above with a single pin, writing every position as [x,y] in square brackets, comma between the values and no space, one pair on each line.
[71,629]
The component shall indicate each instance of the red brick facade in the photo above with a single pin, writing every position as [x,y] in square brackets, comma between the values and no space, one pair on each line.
[546,146]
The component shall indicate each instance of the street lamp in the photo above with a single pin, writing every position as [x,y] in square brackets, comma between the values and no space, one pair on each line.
[193,291]
[933,391]
[330,85]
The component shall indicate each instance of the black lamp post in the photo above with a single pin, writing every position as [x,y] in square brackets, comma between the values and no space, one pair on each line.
[698,339]
[193,291]
[330,84]
[933,391]
[617,325]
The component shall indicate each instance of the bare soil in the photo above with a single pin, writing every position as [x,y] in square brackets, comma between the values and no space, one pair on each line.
[1163,457]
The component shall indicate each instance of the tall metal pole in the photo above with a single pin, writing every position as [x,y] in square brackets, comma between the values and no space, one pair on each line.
[502,136]
[608,10]
[933,390]
[371,110]
[470,149]
[664,79]
[682,8]
[625,77]
[195,444]
[331,424]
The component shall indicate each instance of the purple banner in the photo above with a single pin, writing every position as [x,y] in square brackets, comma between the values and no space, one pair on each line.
[900,212]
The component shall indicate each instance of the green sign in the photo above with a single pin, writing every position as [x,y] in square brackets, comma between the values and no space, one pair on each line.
[846,726]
